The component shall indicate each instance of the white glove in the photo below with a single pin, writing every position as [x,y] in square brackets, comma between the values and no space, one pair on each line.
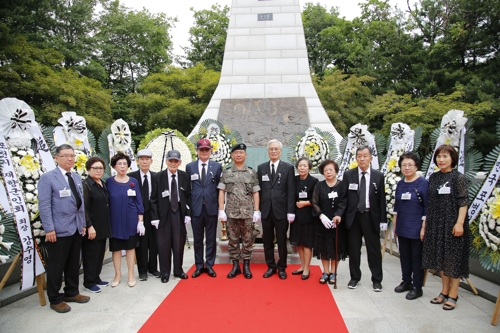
[383,226]
[222,216]
[155,223]
[326,221]
[140,228]
[256,216]
[290,217]
[187,220]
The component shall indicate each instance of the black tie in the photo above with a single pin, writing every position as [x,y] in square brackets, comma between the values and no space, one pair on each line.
[273,173]
[362,193]
[203,173]
[174,197]
[73,190]
[145,193]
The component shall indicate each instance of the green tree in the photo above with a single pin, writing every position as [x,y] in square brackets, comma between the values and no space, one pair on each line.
[207,37]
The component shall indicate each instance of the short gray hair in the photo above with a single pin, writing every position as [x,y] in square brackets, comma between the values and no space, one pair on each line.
[360,148]
[275,141]
[63,147]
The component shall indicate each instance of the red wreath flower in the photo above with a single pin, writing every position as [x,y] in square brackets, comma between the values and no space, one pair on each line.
[132,185]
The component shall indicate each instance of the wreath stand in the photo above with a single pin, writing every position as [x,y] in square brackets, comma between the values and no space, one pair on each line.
[496,312]
[387,238]
[40,280]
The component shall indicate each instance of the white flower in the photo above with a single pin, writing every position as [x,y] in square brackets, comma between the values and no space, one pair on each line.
[30,187]
[494,247]
[36,232]
[7,245]
[42,233]
[37,225]
[21,153]
[3,259]
[13,149]
[37,240]
[29,196]
[2,229]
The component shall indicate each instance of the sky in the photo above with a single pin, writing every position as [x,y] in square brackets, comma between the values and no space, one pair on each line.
[180,34]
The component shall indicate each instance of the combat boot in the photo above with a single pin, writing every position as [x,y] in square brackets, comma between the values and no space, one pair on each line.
[235,271]
[246,269]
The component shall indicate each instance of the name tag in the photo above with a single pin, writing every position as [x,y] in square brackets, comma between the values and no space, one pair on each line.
[195,177]
[131,193]
[353,187]
[406,196]
[444,190]
[165,193]
[303,195]
[333,195]
[64,193]
[265,178]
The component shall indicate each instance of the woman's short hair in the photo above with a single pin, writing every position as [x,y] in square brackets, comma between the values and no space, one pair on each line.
[94,159]
[120,156]
[410,156]
[447,149]
[327,162]
[309,163]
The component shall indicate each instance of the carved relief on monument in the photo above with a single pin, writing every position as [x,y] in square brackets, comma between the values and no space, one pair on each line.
[270,118]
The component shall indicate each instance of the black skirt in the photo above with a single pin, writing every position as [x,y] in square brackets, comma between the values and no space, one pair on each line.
[116,244]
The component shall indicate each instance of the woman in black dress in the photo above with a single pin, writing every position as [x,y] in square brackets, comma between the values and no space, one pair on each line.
[447,234]
[96,200]
[301,232]
[325,200]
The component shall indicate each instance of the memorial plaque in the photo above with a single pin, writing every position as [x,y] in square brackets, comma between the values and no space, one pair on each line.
[265,17]
[260,120]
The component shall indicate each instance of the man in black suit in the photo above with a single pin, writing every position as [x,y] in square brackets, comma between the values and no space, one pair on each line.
[147,252]
[170,213]
[363,203]
[205,175]
[277,206]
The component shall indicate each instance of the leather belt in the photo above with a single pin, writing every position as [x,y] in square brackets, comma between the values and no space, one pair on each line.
[366,210]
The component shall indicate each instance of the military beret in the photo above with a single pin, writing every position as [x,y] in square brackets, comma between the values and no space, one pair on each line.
[239,146]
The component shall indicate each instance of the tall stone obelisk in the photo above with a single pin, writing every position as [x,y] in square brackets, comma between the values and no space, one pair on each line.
[265,90]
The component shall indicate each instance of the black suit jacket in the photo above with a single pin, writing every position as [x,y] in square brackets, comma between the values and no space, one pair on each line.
[137,175]
[160,206]
[278,193]
[349,199]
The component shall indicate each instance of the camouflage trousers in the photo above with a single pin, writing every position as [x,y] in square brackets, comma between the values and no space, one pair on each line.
[240,228]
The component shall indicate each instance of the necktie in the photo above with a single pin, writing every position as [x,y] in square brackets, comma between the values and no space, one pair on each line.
[145,193]
[203,173]
[273,173]
[362,193]
[73,190]
[174,197]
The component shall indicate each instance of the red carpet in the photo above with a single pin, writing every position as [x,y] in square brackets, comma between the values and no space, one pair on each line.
[220,304]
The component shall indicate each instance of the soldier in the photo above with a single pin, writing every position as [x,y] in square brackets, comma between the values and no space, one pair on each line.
[242,187]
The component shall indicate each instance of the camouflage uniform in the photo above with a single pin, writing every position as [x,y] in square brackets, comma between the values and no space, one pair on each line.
[239,186]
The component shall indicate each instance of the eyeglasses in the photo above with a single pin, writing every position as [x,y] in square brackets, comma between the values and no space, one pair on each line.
[97,168]
[404,166]
[67,156]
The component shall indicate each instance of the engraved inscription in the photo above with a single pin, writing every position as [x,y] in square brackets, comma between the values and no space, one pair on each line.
[260,120]
[265,17]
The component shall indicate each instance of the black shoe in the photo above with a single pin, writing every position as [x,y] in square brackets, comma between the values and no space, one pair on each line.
[164,279]
[236,270]
[282,274]
[182,276]
[246,269]
[414,293]
[210,271]
[377,287]
[269,272]
[403,286]
[143,277]
[297,272]
[305,277]
[353,284]
[197,272]
[155,274]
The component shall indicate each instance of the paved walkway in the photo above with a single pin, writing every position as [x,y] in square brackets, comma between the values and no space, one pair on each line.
[124,309]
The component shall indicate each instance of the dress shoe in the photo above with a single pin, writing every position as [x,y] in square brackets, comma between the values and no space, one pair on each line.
[236,270]
[164,279]
[353,284]
[181,276]
[61,307]
[414,293]
[115,283]
[197,273]
[297,272]
[77,299]
[282,274]
[305,277]
[246,269]
[132,283]
[210,271]
[155,274]
[377,287]
[143,277]
[403,286]
[269,272]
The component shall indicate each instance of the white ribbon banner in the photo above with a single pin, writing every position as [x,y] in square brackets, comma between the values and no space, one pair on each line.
[43,148]
[408,147]
[31,264]
[112,153]
[484,194]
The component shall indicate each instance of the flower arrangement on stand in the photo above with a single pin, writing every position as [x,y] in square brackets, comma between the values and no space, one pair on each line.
[315,144]
[392,177]
[221,137]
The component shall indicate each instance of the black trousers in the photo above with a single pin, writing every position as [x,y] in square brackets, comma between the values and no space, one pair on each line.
[363,227]
[147,252]
[269,225]
[410,256]
[92,255]
[204,226]
[63,257]
[171,238]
